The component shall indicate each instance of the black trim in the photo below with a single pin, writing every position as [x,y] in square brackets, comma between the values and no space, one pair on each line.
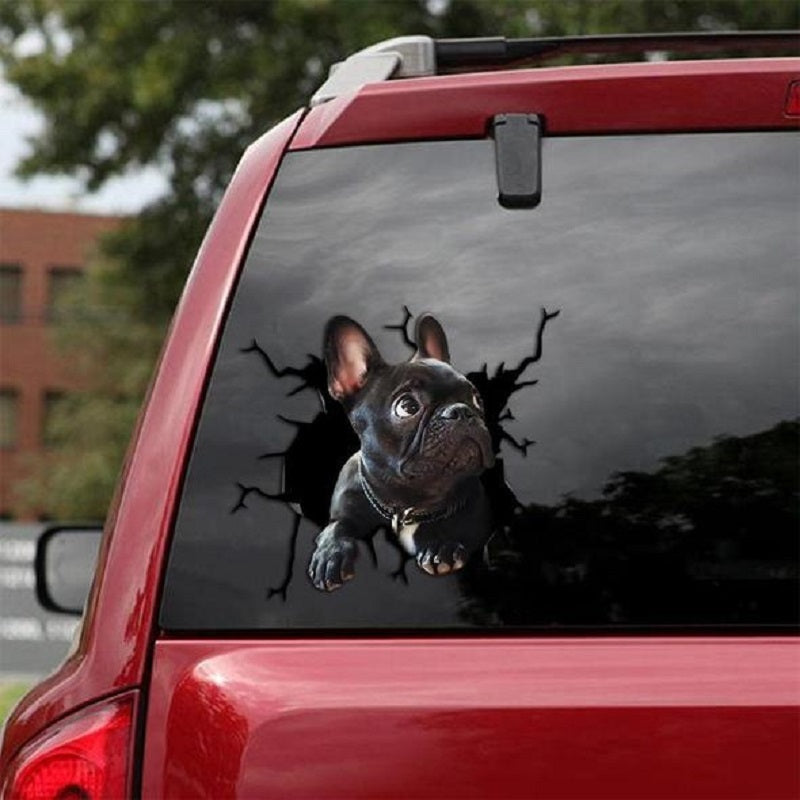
[674,630]
[453,55]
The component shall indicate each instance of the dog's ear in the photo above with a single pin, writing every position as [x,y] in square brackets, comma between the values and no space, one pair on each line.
[350,355]
[430,339]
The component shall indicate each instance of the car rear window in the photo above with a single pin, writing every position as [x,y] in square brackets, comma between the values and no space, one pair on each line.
[633,344]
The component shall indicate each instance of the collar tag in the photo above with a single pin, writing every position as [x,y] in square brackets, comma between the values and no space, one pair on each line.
[400,519]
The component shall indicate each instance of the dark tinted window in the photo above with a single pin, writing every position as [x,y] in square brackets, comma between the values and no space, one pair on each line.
[10,293]
[662,485]
[9,419]
[63,284]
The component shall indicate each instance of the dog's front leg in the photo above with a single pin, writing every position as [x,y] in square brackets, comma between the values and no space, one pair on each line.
[333,560]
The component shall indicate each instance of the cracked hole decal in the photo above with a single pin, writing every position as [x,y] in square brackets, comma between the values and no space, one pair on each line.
[411,449]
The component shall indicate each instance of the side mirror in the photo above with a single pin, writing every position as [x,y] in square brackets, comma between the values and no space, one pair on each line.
[65,562]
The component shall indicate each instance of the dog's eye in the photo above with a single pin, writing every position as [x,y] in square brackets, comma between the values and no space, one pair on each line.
[406,406]
[476,401]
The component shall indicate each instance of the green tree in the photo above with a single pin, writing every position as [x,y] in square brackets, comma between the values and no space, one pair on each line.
[185,86]
[709,534]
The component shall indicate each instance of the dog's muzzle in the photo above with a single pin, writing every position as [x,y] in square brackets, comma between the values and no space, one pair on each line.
[456,441]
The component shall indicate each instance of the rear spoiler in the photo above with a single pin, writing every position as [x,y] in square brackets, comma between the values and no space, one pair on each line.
[420,56]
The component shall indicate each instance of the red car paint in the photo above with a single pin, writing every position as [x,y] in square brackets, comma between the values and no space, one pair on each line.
[471,718]
[118,632]
[547,717]
[619,98]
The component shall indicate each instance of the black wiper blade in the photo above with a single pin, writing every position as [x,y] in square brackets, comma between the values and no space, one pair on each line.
[457,54]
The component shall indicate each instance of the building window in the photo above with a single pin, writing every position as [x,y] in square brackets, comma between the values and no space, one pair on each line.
[10,293]
[9,418]
[52,420]
[62,285]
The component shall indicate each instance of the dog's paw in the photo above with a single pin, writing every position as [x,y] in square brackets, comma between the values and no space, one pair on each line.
[333,564]
[439,559]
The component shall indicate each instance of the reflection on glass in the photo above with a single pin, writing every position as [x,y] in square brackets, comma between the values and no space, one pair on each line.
[69,564]
[673,260]
[714,528]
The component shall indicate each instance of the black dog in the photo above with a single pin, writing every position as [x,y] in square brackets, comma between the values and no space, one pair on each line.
[424,442]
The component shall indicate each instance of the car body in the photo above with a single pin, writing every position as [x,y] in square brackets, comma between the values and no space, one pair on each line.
[212,709]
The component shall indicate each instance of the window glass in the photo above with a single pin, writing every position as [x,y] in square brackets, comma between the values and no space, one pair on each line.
[63,282]
[10,293]
[53,418]
[9,419]
[614,439]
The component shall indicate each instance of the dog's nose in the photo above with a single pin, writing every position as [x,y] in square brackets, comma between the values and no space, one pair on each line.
[457,411]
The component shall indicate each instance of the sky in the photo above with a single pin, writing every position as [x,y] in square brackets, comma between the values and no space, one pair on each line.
[655,249]
[20,121]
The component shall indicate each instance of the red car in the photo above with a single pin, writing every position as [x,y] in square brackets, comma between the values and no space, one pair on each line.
[339,565]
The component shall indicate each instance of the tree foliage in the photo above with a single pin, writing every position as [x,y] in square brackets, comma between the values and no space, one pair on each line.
[186,85]
[709,535]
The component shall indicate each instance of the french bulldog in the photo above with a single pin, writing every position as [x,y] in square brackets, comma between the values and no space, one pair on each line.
[424,444]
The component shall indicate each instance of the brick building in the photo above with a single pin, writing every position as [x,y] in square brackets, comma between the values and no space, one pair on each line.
[42,256]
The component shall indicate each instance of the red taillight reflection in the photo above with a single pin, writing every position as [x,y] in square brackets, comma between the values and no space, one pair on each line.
[85,757]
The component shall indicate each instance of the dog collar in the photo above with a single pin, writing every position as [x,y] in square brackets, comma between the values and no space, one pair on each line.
[401,517]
